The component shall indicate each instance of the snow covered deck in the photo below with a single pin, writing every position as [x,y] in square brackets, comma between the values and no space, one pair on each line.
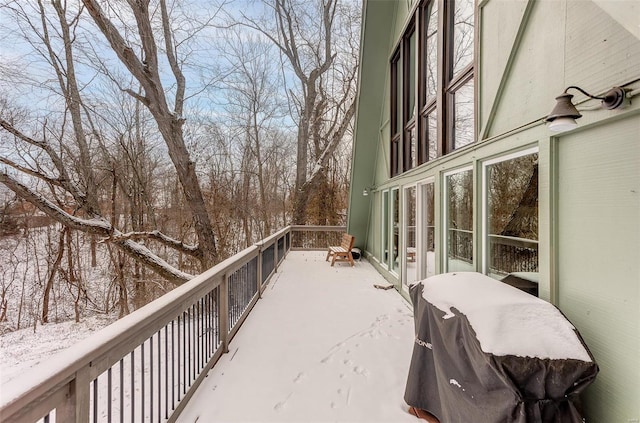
[322,345]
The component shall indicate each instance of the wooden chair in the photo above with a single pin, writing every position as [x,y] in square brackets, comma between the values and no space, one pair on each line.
[342,252]
[411,253]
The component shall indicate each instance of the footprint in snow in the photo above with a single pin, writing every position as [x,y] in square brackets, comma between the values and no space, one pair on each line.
[279,406]
[361,371]
[299,377]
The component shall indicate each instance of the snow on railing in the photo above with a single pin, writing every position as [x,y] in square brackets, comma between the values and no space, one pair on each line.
[147,365]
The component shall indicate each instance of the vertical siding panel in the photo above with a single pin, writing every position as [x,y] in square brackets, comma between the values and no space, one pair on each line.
[599,259]
[600,52]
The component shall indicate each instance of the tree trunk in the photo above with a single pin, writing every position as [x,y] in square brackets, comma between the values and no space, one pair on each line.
[94,260]
[266,219]
[123,300]
[171,129]
[51,278]
[301,194]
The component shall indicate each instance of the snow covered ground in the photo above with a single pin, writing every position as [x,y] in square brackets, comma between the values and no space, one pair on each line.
[25,348]
[323,345]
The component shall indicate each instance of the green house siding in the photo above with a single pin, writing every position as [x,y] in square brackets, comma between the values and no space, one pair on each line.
[374,47]
[527,53]
[599,255]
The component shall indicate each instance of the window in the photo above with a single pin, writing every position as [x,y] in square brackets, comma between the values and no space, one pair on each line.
[427,226]
[511,221]
[410,269]
[459,85]
[459,221]
[463,125]
[462,21]
[396,113]
[436,54]
[385,228]
[429,81]
[410,139]
[395,231]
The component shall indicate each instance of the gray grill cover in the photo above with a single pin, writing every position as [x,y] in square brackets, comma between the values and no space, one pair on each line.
[453,379]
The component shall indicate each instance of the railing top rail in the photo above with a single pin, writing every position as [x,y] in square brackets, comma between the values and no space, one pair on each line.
[140,324]
[318,228]
[271,239]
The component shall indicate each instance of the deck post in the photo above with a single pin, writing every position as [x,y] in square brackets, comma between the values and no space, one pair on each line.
[75,408]
[275,256]
[224,313]
[259,271]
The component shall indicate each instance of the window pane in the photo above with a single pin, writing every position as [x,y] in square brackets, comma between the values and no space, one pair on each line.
[410,235]
[460,221]
[512,216]
[395,235]
[385,228]
[396,156]
[463,131]
[429,136]
[428,231]
[432,134]
[411,72]
[463,22]
[396,103]
[431,51]
[414,146]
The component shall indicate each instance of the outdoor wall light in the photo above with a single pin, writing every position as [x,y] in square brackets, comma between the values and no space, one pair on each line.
[564,114]
[366,191]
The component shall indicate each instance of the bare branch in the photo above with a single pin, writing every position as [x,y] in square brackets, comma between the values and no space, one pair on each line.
[118,44]
[97,226]
[156,235]
[64,179]
[31,172]
[173,62]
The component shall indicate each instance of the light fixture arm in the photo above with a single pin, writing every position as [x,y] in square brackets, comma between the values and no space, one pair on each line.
[612,99]
[583,92]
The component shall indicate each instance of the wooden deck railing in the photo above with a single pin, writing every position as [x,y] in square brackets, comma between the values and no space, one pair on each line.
[147,365]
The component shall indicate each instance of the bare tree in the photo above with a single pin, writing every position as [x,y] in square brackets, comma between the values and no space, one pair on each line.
[65,163]
[254,109]
[146,71]
[318,42]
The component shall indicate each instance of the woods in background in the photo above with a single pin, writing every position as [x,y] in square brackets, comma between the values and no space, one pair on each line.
[142,142]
